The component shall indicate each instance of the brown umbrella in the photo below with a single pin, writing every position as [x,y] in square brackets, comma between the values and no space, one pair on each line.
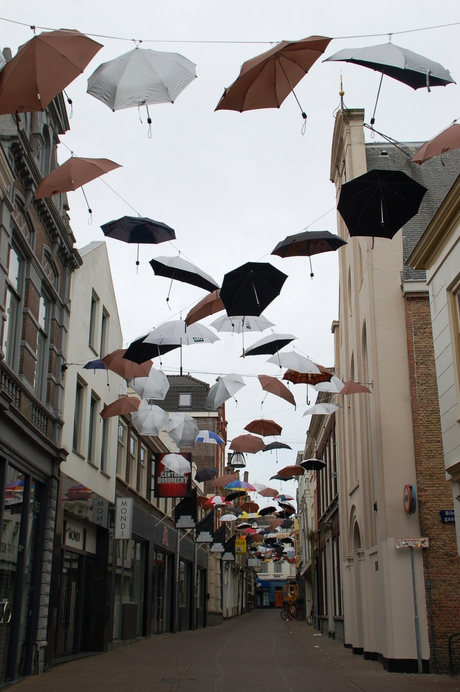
[222,481]
[249,507]
[73,174]
[126,368]
[209,305]
[351,387]
[275,523]
[42,68]
[275,386]
[247,443]
[126,404]
[266,80]
[268,492]
[445,141]
[308,377]
[264,427]
[291,471]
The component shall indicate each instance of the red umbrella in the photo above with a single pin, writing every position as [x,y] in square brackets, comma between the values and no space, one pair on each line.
[247,443]
[74,173]
[42,68]
[264,427]
[126,404]
[275,386]
[308,377]
[126,368]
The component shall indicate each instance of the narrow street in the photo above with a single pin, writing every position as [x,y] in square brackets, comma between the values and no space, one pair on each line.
[257,651]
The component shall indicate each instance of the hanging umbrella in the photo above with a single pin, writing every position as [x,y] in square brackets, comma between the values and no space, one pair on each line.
[116,362]
[247,443]
[176,331]
[283,498]
[311,378]
[240,324]
[291,471]
[176,268]
[268,492]
[445,141]
[224,480]
[95,365]
[399,63]
[141,77]
[334,386]
[274,524]
[126,404]
[276,445]
[72,174]
[183,429]
[140,352]
[206,474]
[267,510]
[275,386]
[208,305]
[228,517]
[277,477]
[248,289]
[216,501]
[137,230]
[313,464]
[176,463]
[150,420]
[266,80]
[235,495]
[308,243]
[210,437]
[264,427]
[378,203]
[322,409]
[351,387]
[42,68]
[233,485]
[251,507]
[155,386]
[294,361]
[224,388]
[270,344]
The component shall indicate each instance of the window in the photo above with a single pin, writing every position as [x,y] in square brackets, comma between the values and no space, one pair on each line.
[41,364]
[143,457]
[104,444]
[121,451]
[264,568]
[93,321]
[12,324]
[92,428]
[78,416]
[104,332]
[277,567]
[185,400]
[133,445]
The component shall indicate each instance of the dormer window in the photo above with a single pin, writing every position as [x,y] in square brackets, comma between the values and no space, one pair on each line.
[185,400]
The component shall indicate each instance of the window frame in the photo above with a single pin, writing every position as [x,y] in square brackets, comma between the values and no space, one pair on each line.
[16,292]
[94,405]
[80,395]
[122,448]
[93,322]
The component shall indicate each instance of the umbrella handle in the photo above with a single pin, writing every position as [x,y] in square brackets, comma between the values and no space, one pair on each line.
[90,211]
[308,402]
[169,293]
[311,268]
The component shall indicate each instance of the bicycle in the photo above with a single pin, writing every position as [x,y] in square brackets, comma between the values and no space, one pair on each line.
[291,611]
[310,617]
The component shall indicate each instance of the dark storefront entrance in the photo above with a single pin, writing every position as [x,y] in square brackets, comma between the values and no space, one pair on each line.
[162,592]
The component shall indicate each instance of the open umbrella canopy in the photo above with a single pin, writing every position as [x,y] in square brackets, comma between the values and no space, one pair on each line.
[216,501]
[222,481]
[178,269]
[283,498]
[399,63]
[313,464]
[235,495]
[138,229]
[267,510]
[248,289]
[308,243]
[140,352]
[155,386]
[183,429]
[277,477]
[250,508]
[322,409]
[234,485]
[351,387]
[268,492]
[150,420]
[267,79]
[72,174]
[208,305]
[247,443]
[378,203]
[275,386]
[176,463]
[312,378]
[42,68]
[270,344]
[294,361]
[264,427]
[206,474]
[116,362]
[126,404]
[224,389]
[177,332]
[95,365]
[141,77]
[209,437]
[291,471]
[228,517]
[445,141]
[239,324]
[276,445]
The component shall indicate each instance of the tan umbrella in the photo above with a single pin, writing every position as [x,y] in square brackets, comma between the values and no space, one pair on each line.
[445,141]
[275,386]
[126,404]
[263,427]
[222,481]
[351,387]
[247,443]
[125,368]
[290,471]
[268,492]
[209,305]
[73,174]
[42,68]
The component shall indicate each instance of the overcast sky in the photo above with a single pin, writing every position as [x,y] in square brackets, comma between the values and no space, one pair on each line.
[232,185]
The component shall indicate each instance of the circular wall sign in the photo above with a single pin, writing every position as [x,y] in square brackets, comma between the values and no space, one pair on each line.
[410,502]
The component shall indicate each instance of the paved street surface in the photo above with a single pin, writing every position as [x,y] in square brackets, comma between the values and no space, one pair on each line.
[252,653]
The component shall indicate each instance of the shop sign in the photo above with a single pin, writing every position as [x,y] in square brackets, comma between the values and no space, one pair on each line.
[171,484]
[123,518]
[240,546]
[165,540]
[74,534]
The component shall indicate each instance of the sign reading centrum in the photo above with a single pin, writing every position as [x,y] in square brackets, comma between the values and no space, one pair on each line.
[124,518]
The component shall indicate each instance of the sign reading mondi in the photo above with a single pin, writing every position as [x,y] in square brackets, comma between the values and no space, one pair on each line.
[124,518]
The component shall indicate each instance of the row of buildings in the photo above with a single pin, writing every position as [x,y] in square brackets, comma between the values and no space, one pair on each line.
[379,526]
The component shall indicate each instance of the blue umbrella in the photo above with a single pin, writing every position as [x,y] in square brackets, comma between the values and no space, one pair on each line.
[209,437]
[95,365]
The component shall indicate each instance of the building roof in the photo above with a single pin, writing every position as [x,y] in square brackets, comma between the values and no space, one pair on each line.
[185,384]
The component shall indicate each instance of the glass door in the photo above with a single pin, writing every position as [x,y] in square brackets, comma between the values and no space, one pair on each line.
[158,591]
[68,612]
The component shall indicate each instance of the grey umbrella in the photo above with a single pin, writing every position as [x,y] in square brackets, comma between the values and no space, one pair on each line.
[224,389]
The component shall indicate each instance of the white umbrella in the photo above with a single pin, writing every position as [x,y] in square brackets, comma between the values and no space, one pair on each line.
[228,517]
[237,325]
[294,361]
[177,332]
[150,420]
[176,463]
[183,429]
[141,77]
[334,386]
[155,386]
[225,388]
[259,486]
[176,268]
[322,409]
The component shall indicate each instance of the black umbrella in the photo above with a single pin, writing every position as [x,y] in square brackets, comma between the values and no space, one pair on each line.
[206,474]
[313,464]
[270,344]
[235,495]
[248,289]
[308,243]
[287,523]
[277,477]
[140,352]
[379,203]
[138,229]
[267,510]
[276,445]
[176,268]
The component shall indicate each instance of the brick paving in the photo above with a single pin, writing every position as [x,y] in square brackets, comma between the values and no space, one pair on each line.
[255,652]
